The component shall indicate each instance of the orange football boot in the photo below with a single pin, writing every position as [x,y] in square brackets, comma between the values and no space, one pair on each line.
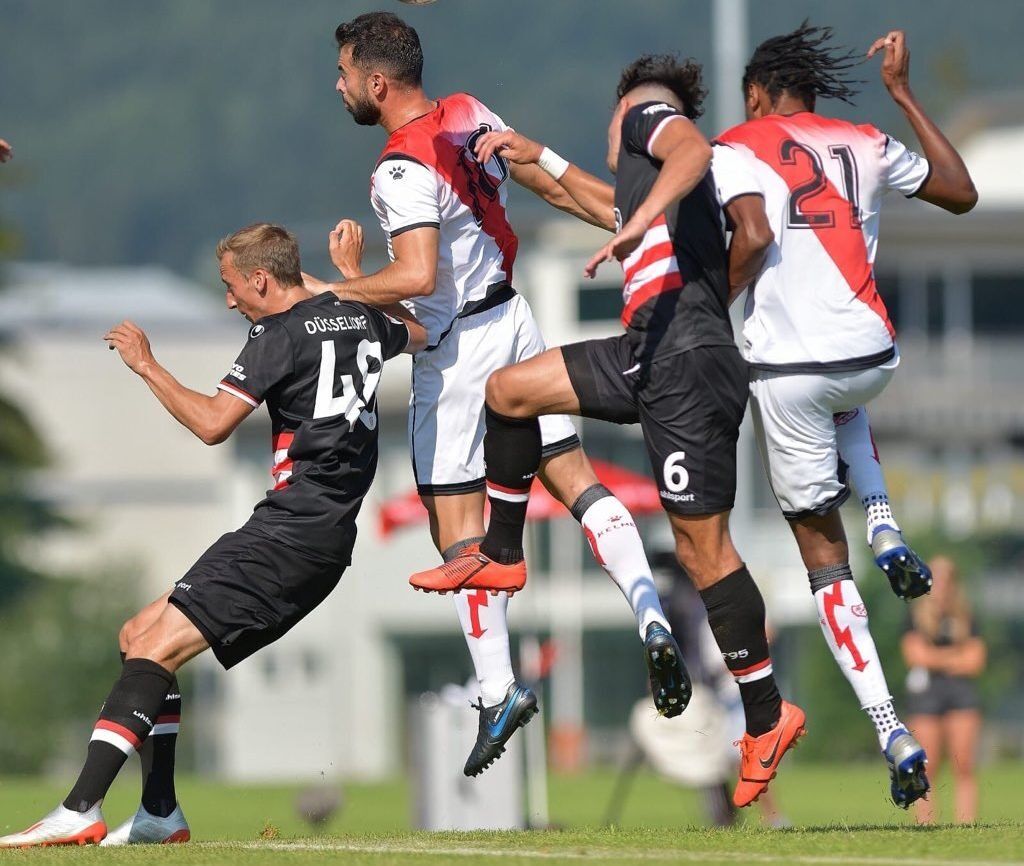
[760,756]
[471,569]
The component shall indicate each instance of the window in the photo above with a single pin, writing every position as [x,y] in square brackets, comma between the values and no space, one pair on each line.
[997,306]
[598,303]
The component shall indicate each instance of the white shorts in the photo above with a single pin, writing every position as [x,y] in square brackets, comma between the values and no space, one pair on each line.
[796,432]
[446,408]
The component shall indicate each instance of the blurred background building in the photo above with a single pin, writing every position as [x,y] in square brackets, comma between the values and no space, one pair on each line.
[122,185]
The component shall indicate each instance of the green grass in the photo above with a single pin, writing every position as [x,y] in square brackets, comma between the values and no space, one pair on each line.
[841,816]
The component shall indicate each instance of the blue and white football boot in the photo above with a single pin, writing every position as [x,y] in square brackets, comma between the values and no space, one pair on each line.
[908,574]
[497,724]
[907,762]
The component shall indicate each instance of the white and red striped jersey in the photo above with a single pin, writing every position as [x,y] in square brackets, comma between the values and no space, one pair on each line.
[428,175]
[815,306]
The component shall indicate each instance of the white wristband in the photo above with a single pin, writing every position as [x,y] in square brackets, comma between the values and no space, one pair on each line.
[552,163]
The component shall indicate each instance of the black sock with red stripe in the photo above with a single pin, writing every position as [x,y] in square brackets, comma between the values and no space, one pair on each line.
[736,615]
[157,754]
[512,452]
[125,721]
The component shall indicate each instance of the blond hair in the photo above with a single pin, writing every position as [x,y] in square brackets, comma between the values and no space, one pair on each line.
[927,614]
[266,247]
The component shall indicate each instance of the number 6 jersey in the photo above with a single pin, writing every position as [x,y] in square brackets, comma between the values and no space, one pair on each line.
[814,307]
[317,366]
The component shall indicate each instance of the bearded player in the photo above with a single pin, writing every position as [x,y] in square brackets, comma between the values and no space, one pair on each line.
[816,332]
[676,371]
[452,252]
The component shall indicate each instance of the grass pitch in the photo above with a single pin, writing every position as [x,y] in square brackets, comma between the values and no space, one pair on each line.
[840,813]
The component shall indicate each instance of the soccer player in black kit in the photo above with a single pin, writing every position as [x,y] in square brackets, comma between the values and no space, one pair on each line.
[676,371]
[315,361]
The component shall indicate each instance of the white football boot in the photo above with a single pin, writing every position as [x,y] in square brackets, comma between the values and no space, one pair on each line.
[143,828]
[60,827]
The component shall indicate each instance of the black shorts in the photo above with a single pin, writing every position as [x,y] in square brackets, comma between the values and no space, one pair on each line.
[942,694]
[689,407]
[246,591]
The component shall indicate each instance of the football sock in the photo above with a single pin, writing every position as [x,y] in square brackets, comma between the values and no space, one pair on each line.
[125,721]
[878,512]
[157,754]
[617,547]
[885,720]
[460,547]
[844,622]
[857,450]
[512,453]
[736,616]
[484,619]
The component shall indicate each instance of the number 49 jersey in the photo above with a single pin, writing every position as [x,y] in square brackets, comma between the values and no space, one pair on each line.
[814,306]
[317,366]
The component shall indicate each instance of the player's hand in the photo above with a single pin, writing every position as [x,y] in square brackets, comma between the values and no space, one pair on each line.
[895,61]
[345,243]
[132,345]
[314,285]
[6,151]
[509,145]
[620,246]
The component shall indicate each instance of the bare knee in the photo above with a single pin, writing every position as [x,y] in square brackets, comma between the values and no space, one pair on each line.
[129,631]
[156,645]
[504,396]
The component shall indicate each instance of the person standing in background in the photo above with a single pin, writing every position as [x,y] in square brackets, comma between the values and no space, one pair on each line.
[945,656]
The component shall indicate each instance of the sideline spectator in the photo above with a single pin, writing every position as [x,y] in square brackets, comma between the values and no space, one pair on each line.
[945,656]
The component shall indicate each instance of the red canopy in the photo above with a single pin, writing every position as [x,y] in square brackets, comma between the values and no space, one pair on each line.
[637,492]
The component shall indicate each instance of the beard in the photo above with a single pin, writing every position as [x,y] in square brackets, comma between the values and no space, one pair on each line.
[363,111]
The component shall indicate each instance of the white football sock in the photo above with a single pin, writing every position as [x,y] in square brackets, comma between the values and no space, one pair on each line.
[857,450]
[886,721]
[617,547]
[844,622]
[484,619]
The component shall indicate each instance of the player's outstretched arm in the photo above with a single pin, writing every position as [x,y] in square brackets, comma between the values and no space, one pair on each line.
[562,185]
[412,274]
[684,154]
[751,236]
[949,185]
[212,419]
[6,151]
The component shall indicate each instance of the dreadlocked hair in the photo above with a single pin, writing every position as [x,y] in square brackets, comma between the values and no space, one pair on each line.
[802,64]
[683,79]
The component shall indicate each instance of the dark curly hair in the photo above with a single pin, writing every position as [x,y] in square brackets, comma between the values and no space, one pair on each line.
[683,79]
[803,64]
[386,41]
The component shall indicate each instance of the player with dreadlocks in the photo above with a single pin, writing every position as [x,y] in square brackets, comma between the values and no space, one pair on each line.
[816,333]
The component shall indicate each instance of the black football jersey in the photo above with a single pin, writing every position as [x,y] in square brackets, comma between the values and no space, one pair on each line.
[317,366]
[676,285]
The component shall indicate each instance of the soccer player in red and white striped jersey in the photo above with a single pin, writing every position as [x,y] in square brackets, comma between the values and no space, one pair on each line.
[452,251]
[817,334]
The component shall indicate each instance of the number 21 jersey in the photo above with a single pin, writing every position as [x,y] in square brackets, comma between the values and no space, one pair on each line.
[815,307]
